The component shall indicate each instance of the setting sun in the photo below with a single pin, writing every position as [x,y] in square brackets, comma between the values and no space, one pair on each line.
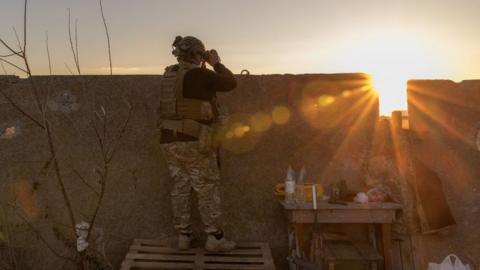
[392,59]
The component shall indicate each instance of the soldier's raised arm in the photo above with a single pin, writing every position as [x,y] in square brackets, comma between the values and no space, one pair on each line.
[222,80]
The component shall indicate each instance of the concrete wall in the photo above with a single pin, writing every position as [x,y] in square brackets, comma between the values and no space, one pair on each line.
[324,122]
[445,120]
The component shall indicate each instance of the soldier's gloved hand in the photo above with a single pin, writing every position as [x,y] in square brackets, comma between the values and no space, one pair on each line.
[213,58]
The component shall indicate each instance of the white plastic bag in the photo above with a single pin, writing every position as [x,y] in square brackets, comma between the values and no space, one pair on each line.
[449,264]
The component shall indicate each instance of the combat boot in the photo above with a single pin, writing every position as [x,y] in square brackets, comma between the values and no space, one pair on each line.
[218,243]
[184,241]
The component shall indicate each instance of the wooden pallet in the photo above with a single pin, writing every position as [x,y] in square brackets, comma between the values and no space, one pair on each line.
[155,254]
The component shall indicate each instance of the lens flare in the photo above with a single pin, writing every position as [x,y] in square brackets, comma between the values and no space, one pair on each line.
[238,135]
[325,100]
[280,115]
[238,130]
[260,122]
[229,135]
[347,93]
[26,198]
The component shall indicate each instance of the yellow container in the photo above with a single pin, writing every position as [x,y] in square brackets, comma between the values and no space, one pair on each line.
[280,191]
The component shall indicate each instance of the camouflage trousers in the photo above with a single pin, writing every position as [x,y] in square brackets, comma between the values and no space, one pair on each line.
[190,170]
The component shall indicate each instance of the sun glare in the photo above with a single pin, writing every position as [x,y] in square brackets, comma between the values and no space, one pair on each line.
[391,60]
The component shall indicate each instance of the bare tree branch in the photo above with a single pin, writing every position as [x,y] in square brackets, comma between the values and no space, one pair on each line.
[19,109]
[113,148]
[6,227]
[76,45]
[69,69]
[108,37]
[35,93]
[59,175]
[72,46]
[104,177]
[39,235]
[10,48]
[84,181]
[48,55]
[106,165]
[104,123]
[13,65]
[99,122]
[23,56]
[97,135]
[19,44]
[27,65]
[7,55]
[47,96]
[3,68]
[25,29]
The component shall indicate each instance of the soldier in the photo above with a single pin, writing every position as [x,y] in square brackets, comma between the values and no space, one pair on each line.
[187,112]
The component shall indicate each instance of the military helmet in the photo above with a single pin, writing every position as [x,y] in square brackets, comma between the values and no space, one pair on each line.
[187,48]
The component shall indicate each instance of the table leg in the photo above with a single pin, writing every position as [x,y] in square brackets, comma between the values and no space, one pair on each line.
[291,245]
[300,238]
[372,237]
[387,245]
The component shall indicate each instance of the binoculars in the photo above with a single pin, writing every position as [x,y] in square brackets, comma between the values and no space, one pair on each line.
[207,53]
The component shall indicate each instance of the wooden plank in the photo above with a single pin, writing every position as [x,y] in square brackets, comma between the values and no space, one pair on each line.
[234,259]
[160,257]
[199,261]
[162,250]
[342,216]
[159,243]
[349,205]
[162,265]
[126,264]
[233,267]
[166,250]
[267,256]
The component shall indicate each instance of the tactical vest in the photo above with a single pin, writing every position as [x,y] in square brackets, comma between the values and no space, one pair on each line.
[173,106]
[180,114]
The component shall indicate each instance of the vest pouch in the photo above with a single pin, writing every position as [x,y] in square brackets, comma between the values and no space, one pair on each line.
[194,109]
[167,109]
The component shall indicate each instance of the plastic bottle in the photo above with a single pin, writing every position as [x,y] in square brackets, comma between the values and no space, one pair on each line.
[290,187]
[300,188]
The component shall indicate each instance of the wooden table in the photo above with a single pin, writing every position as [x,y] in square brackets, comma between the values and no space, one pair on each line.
[368,213]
